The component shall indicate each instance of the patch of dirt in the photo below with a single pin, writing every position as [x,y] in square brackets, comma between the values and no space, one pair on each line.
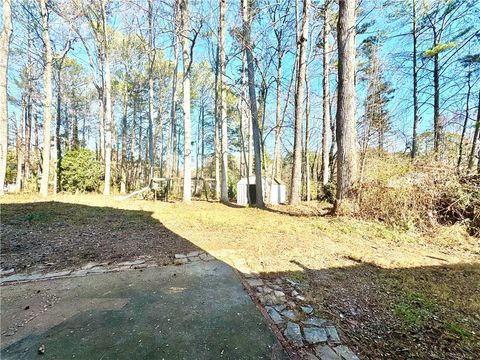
[55,235]
[412,313]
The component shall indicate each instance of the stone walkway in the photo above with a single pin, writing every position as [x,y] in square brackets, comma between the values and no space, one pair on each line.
[198,310]
[312,336]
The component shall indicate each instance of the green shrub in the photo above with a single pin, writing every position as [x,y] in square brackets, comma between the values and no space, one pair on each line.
[80,171]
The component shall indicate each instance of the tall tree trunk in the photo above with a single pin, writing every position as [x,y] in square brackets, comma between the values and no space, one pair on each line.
[415,81]
[159,132]
[217,127]
[346,103]
[202,139]
[108,104]
[123,166]
[36,146]
[475,137]
[47,103]
[299,97]
[29,107]
[436,102]
[187,143]
[58,143]
[173,112]
[4,52]
[277,155]
[464,128]
[151,60]
[307,137]
[325,172]
[247,47]
[101,109]
[20,149]
[223,104]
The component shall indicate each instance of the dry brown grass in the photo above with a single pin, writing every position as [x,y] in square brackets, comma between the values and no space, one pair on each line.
[388,276]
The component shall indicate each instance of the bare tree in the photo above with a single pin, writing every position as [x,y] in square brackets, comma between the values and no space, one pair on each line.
[151,62]
[47,102]
[473,150]
[187,152]
[223,103]
[325,174]
[4,52]
[415,80]
[346,103]
[247,47]
[299,97]
[108,102]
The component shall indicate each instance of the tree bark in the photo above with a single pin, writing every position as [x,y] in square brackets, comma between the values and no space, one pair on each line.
[307,137]
[325,172]
[464,128]
[108,104]
[299,97]
[217,128]
[47,103]
[475,137]
[436,101]
[415,80]
[223,104]
[187,143]
[346,104]
[4,52]
[277,155]
[173,110]
[20,150]
[247,46]
[123,166]
[151,60]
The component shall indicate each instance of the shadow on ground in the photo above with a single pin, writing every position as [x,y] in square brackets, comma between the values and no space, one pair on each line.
[428,312]
[195,311]
[56,235]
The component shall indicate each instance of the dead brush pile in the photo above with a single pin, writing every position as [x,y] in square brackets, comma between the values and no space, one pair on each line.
[419,196]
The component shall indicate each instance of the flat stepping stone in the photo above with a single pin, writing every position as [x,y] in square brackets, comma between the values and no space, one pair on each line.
[332,333]
[57,274]
[132,263]
[325,352]
[307,309]
[194,253]
[180,256]
[280,308]
[314,322]
[206,257]
[274,315]
[293,333]
[255,282]
[315,335]
[345,353]
[290,314]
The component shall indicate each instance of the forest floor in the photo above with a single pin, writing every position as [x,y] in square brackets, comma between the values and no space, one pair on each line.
[392,293]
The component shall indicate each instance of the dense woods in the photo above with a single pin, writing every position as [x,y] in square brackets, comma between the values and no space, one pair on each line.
[194,95]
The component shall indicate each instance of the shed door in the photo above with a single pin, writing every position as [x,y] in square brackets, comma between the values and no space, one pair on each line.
[252,193]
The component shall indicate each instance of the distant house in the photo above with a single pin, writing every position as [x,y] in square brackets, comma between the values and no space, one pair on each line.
[246,190]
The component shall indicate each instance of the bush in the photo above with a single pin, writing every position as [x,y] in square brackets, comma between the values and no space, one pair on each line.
[418,196]
[80,171]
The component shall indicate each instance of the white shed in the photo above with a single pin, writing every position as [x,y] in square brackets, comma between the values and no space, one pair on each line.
[246,188]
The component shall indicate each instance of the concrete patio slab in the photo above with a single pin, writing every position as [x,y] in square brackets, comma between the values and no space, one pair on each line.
[194,311]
